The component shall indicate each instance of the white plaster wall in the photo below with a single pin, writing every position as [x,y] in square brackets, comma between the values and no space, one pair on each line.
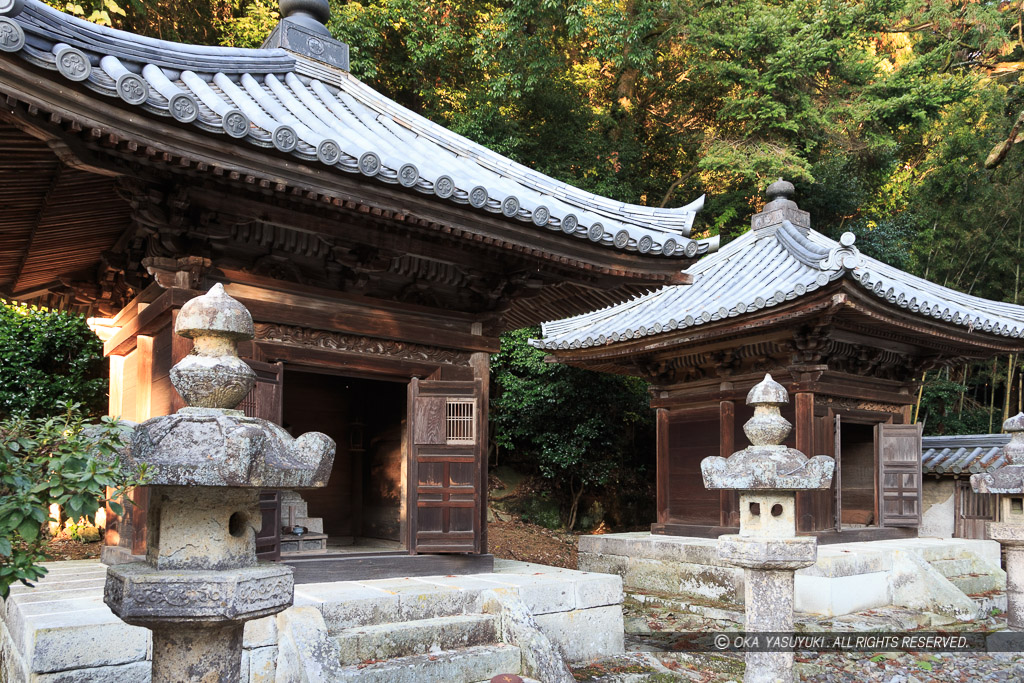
[938,506]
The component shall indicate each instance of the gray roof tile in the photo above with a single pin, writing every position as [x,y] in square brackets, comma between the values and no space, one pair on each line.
[765,268]
[963,454]
[274,98]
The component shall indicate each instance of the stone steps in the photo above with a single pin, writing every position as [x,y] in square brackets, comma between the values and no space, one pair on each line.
[420,637]
[464,665]
[973,575]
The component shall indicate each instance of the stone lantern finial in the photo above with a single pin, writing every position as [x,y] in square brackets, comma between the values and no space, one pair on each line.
[767,463]
[1014,450]
[213,376]
[767,427]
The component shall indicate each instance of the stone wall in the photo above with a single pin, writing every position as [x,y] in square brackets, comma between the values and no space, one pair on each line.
[937,505]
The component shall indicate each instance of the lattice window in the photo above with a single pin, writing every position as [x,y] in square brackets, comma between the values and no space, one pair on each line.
[460,421]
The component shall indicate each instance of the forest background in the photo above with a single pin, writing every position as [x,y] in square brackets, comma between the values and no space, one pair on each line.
[897,120]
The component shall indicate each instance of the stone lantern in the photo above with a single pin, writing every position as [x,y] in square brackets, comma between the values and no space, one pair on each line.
[1008,480]
[768,474]
[207,463]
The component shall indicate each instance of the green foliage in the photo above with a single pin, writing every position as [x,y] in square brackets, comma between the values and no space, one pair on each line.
[581,430]
[948,408]
[48,357]
[52,460]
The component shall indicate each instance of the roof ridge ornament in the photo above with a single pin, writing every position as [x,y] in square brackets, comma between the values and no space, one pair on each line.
[780,207]
[303,30]
[846,255]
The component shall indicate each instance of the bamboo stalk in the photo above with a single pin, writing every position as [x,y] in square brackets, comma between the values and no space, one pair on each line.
[920,393]
[1009,387]
[992,394]
[963,389]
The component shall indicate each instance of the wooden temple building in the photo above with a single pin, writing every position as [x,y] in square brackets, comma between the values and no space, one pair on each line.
[849,337]
[380,254]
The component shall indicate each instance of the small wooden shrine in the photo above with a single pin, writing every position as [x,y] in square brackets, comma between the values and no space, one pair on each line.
[380,255]
[848,336]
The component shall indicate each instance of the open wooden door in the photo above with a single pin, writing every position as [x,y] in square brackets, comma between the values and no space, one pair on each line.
[899,474]
[447,433]
[266,401]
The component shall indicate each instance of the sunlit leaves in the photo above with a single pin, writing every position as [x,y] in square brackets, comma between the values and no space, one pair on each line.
[53,460]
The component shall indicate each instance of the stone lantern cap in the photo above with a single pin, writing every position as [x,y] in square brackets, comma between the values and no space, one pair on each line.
[208,443]
[1008,478]
[767,464]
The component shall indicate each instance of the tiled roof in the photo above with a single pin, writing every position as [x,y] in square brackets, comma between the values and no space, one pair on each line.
[278,99]
[958,454]
[764,268]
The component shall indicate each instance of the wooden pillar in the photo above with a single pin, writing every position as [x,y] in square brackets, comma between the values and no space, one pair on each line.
[115,407]
[807,502]
[804,404]
[180,347]
[662,466]
[481,364]
[729,511]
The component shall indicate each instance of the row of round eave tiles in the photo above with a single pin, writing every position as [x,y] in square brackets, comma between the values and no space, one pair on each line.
[74,65]
[706,317]
[938,310]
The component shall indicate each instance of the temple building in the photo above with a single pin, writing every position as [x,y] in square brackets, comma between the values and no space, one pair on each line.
[381,255]
[847,335]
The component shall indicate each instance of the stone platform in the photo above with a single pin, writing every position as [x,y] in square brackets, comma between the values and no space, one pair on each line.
[957,577]
[411,629]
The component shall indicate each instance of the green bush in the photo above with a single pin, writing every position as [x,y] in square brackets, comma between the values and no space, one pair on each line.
[46,358]
[51,460]
[582,431]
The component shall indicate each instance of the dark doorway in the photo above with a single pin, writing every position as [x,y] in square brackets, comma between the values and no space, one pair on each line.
[362,506]
[857,475]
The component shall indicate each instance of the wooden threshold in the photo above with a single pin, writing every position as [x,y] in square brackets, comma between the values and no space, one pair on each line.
[383,565]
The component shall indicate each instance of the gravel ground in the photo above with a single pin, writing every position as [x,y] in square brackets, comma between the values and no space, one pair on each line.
[652,623]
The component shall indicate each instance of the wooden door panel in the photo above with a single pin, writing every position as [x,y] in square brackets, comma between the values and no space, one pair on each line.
[445,461]
[265,401]
[899,474]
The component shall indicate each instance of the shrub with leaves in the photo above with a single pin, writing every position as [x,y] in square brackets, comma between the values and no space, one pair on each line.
[51,460]
[47,357]
[582,430]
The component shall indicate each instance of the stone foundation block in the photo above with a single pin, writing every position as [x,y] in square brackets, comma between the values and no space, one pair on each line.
[260,633]
[602,563]
[706,581]
[585,635]
[136,672]
[598,590]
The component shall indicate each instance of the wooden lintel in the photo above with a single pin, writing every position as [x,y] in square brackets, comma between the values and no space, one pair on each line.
[289,309]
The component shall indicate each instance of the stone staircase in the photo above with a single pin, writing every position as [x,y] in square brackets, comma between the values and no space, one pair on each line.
[975,576]
[449,647]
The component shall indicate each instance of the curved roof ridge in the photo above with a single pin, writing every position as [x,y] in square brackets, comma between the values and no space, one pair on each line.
[273,98]
[803,250]
[121,43]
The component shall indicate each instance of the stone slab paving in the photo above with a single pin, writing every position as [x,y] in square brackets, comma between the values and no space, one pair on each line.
[61,630]
[650,620]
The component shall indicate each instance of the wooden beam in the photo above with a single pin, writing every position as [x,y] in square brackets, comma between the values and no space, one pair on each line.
[289,309]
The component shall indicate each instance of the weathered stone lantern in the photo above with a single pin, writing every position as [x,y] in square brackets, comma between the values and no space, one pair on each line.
[768,475]
[1008,480]
[201,582]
